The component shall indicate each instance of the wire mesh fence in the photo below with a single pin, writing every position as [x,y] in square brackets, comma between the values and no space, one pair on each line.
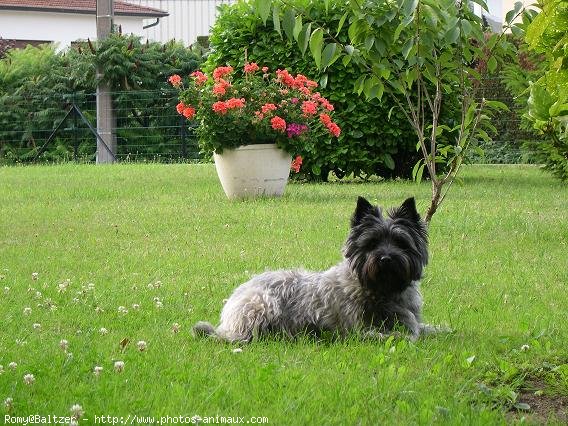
[57,127]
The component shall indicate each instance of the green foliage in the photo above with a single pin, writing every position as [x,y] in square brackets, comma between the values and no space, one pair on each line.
[375,139]
[38,85]
[548,100]
[33,84]
[420,53]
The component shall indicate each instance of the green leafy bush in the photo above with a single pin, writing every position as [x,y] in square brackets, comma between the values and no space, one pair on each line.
[376,136]
[539,81]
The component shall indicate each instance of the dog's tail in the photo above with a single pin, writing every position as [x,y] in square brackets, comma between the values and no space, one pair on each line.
[204,329]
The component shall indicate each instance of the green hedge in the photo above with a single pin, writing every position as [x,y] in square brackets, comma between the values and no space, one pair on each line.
[370,143]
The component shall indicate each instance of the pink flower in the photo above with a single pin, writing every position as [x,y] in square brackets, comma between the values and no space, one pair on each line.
[265,69]
[180,107]
[175,80]
[278,123]
[296,164]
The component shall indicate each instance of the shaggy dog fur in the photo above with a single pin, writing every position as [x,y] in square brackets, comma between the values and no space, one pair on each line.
[373,288]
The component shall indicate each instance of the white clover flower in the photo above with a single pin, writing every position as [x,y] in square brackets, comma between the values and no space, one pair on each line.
[99,310]
[63,344]
[38,295]
[157,284]
[142,345]
[525,348]
[76,300]
[90,287]
[175,327]
[77,411]
[62,287]
[12,365]
[150,286]
[36,326]
[6,289]
[8,402]
[35,276]
[27,310]
[122,310]
[29,379]
[159,305]
[103,331]
[118,366]
[237,350]
[97,370]
[135,306]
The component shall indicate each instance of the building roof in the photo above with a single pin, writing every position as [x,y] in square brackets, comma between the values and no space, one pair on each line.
[121,8]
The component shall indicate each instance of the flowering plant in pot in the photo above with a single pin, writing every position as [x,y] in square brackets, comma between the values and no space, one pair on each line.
[255,107]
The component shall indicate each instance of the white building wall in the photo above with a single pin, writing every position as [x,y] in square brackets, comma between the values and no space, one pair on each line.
[62,28]
[187,19]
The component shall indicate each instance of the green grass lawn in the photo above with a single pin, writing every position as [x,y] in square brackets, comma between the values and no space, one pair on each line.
[163,242]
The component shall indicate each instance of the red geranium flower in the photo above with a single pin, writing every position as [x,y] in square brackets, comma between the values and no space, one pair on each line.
[220,72]
[188,112]
[220,107]
[268,107]
[200,78]
[296,164]
[235,103]
[325,118]
[252,67]
[278,123]
[334,129]
[175,80]
[309,108]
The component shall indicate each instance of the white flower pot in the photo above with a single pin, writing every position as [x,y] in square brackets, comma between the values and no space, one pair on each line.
[253,170]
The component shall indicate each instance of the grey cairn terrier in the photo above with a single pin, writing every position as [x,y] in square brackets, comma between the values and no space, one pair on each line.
[374,288]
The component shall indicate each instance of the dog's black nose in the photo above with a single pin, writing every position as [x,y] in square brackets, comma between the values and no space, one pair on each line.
[385,259]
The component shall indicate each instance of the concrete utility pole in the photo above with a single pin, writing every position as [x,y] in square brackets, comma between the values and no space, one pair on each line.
[106,118]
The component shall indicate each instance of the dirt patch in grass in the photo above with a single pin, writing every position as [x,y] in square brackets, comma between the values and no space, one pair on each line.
[543,406]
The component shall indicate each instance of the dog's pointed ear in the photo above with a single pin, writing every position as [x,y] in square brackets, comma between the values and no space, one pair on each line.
[407,210]
[364,208]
